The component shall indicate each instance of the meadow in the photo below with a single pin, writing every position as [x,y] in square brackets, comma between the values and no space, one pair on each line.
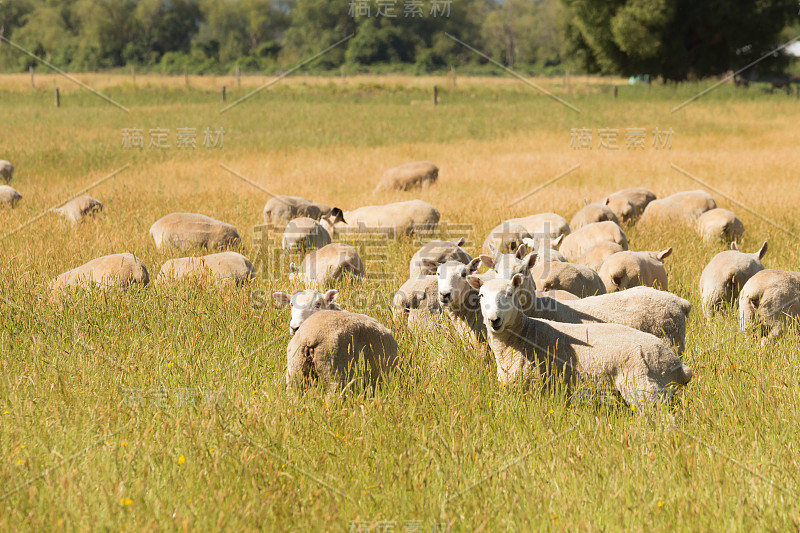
[167,408]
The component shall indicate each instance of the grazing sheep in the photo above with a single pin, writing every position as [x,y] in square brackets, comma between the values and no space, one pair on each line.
[506,237]
[439,252]
[769,299]
[627,269]
[629,204]
[683,207]
[228,266]
[187,230]
[117,270]
[725,275]
[460,301]
[409,176]
[281,209]
[304,233]
[545,249]
[330,262]
[579,280]
[579,242]
[720,225]
[6,170]
[595,256]
[306,303]
[9,196]
[403,218]
[416,300]
[591,213]
[640,366]
[330,345]
[548,225]
[78,208]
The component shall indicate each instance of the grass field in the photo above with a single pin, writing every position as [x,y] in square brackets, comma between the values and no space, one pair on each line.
[167,408]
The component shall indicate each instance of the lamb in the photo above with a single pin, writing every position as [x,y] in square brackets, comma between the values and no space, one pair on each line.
[506,237]
[629,204]
[627,269]
[591,213]
[548,225]
[417,174]
[110,271]
[769,299]
[720,225]
[595,256]
[227,266]
[725,275]
[9,196]
[416,300]
[79,208]
[6,170]
[579,280]
[306,303]
[329,263]
[402,218]
[439,252]
[187,230]
[579,242]
[330,345]
[281,209]
[304,233]
[640,366]
[460,301]
[545,248]
[683,207]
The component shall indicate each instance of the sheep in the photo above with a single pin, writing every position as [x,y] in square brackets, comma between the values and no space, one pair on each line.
[542,225]
[579,280]
[579,242]
[187,230]
[627,269]
[439,252]
[9,196]
[329,263]
[416,300]
[505,237]
[409,176]
[769,299]
[306,303]
[545,248]
[6,170]
[640,366]
[402,218]
[304,233]
[595,256]
[117,270]
[725,275]
[330,345]
[281,209]
[629,204]
[78,208]
[591,213]
[228,266]
[718,225]
[460,301]
[683,207]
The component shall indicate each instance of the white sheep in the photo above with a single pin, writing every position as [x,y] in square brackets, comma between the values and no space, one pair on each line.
[546,249]
[9,196]
[540,225]
[718,225]
[281,209]
[579,242]
[329,263]
[110,271]
[416,301]
[460,301]
[79,208]
[770,299]
[505,237]
[6,170]
[683,207]
[304,233]
[187,230]
[591,213]
[306,303]
[595,256]
[725,275]
[629,204]
[226,266]
[627,269]
[417,174]
[338,347]
[530,351]
[579,280]
[402,218]
[439,252]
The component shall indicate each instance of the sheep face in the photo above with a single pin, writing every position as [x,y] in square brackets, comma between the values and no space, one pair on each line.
[306,303]
[454,290]
[499,302]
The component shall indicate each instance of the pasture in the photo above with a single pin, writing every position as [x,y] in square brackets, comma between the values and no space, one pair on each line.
[167,408]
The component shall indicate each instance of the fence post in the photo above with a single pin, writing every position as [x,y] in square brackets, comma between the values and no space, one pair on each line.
[223,93]
[186,76]
[343,74]
[133,74]
[238,77]
[32,84]
[453,73]
[616,89]
[58,98]
[435,95]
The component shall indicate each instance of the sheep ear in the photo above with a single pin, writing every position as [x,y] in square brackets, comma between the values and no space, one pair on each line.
[475,282]
[293,267]
[460,242]
[734,246]
[763,251]
[330,296]
[337,215]
[282,298]
[473,265]
[486,260]
[516,281]
[664,254]
[521,249]
[608,200]
[494,251]
[530,260]
[585,201]
[557,240]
